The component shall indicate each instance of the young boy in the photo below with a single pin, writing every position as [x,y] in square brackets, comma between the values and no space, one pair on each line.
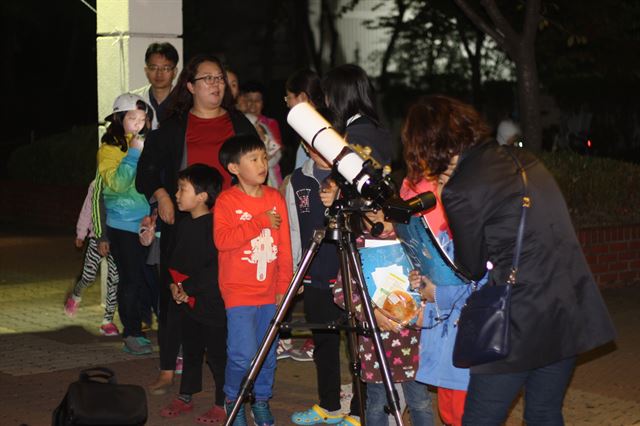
[193,266]
[251,232]
[308,187]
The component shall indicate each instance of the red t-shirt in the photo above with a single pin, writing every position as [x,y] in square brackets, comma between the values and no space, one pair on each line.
[205,136]
[254,259]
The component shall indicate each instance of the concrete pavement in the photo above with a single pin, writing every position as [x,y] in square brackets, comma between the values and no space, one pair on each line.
[42,351]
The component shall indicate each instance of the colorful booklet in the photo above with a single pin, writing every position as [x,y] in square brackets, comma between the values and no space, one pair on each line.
[426,254]
[386,272]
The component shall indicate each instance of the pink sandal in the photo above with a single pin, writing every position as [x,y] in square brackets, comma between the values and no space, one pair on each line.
[214,416]
[177,408]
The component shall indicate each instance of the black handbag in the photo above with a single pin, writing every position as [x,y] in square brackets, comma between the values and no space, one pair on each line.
[97,399]
[484,323]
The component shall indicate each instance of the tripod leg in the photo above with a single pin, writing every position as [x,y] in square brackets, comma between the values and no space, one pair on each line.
[249,379]
[355,266]
[352,338]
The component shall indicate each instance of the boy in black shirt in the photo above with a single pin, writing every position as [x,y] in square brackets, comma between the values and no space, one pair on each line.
[193,266]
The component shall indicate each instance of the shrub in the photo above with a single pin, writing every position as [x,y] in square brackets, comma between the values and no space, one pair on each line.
[599,191]
[67,158]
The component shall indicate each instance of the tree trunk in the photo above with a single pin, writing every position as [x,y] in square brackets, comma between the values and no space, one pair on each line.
[529,98]
[476,76]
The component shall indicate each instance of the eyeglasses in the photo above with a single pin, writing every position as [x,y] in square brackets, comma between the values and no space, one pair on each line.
[163,69]
[210,80]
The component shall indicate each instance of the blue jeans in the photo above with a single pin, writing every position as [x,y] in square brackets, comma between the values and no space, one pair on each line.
[246,326]
[417,397]
[490,395]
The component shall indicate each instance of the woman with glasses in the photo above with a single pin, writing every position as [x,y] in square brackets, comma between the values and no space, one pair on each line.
[200,117]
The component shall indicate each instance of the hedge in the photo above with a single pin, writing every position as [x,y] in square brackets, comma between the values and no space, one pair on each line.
[599,191]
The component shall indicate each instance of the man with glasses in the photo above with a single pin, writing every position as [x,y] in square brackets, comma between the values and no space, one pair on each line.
[161,61]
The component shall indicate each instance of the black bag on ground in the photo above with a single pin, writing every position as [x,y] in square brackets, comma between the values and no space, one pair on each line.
[97,399]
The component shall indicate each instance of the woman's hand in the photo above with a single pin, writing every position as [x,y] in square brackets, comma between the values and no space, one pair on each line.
[166,209]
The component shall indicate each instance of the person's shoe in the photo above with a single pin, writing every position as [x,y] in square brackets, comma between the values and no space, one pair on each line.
[305,353]
[179,365]
[283,349]
[71,306]
[176,408]
[241,418]
[349,421]
[109,329]
[315,415]
[261,413]
[136,346]
[214,416]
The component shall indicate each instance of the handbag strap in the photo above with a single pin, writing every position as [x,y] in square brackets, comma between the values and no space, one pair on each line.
[526,204]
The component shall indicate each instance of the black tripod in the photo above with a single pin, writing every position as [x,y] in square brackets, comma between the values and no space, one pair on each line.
[337,230]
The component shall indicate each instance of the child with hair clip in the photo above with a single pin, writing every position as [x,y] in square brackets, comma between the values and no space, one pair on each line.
[118,157]
[89,226]
[401,346]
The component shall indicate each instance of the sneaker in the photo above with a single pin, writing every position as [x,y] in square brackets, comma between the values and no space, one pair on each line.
[179,365]
[176,408]
[241,419]
[71,306]
[283,349]
[215,415]
[109,329]
[305,353]
[261,414]
[316,415]
[136,346]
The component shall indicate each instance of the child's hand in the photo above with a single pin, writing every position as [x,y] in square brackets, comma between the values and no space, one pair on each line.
[328,192]
[103,248]
[385,323]
[176,293]
[427,290]
[415,279]
[79,243]
[279,298]
[274,218]
[137,142]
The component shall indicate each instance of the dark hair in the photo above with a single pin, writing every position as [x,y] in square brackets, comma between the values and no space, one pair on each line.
[253,86]
[436,129]
[165,49]
[181,100]
[308,82]
[114,135]
[348,91]
[203,179]
[236,146]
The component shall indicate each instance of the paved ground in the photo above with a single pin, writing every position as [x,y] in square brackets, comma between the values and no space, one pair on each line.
[42,351]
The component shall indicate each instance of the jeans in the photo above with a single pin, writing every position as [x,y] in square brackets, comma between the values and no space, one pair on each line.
[490,395]
[246,326]
[417,397]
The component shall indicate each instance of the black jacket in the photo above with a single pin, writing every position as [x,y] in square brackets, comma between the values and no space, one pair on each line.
[162,159]
[194,254]
[163,153]
[557,310]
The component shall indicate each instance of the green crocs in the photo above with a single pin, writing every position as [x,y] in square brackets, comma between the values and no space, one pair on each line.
[315,415]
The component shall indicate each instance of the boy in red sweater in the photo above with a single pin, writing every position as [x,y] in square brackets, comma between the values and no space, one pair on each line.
[251,232]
